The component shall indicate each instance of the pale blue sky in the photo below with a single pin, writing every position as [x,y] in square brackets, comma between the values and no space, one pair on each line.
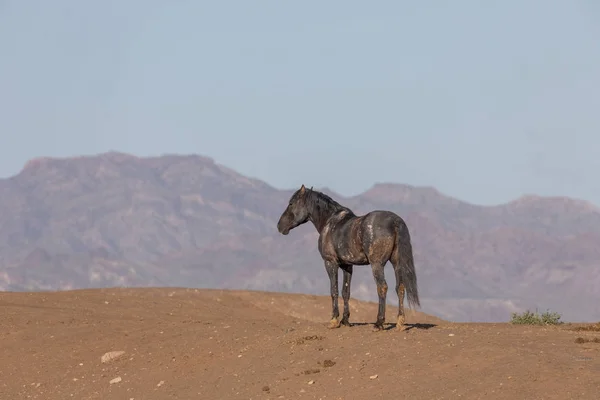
[484,100]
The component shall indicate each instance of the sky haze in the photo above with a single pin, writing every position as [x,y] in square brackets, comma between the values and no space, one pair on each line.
[485,101]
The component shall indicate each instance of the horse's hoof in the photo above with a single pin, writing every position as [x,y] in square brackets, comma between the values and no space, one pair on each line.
[377,328]
[345,322]
[400,324]
[334,323]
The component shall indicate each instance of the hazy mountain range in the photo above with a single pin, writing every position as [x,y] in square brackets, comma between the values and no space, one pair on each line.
[119,220]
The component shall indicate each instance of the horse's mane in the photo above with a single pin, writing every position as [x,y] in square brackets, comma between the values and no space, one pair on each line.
[322,201]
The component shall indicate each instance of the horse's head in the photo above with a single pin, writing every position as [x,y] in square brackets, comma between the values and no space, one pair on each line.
[296,212]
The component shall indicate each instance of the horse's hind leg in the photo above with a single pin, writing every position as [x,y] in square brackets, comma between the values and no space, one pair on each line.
[379,275]
[347,268]
[400,291]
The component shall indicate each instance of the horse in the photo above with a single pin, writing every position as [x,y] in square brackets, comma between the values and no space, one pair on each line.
[346,239]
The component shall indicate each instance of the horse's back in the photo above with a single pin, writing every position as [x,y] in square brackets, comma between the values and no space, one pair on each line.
[361,240]
[379,220]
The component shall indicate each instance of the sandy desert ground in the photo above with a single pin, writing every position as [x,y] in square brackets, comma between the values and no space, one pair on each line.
[212,344]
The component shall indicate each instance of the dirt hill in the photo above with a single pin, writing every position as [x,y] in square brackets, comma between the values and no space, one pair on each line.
[119,220]
[214,344]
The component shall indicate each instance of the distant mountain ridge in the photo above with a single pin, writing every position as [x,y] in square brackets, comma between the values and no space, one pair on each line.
[115,219]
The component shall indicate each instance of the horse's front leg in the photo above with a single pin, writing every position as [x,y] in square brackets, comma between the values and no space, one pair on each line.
[332,271]
[347,268]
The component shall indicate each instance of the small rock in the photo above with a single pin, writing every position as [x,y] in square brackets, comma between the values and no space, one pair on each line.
[110,356]
[160,383]
[115,380]
[240,356]
[452,334]
[311,382]
[373,376]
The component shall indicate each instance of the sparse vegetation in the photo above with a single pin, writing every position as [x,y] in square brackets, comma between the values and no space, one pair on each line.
[581,340]
[305,339]
[588,328]
[535,318]
[311,371]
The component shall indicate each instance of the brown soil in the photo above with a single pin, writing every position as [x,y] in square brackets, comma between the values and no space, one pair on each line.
[209,344]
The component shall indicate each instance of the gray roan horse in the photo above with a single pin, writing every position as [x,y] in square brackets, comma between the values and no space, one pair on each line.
[346,240]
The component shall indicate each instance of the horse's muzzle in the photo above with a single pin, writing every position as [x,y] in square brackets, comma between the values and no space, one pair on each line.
[282,226]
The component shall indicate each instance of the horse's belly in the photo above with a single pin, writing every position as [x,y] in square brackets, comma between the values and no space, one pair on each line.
[354,258]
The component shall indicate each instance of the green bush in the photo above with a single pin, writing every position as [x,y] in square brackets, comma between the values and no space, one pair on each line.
[530,318]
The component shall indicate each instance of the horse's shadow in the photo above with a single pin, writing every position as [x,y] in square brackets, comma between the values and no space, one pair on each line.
[407,327]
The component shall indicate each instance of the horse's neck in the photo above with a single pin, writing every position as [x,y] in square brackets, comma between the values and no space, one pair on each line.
[320,217]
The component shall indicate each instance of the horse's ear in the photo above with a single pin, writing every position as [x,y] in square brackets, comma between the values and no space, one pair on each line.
[302,189]
[311,188]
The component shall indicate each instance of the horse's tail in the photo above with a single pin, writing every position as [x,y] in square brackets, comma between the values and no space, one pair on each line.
[407,268]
